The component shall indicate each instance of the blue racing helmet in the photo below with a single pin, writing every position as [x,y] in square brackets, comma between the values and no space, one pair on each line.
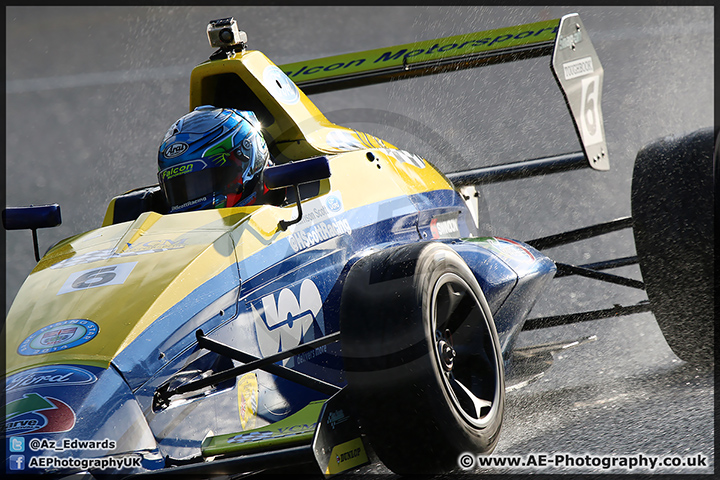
[212,158]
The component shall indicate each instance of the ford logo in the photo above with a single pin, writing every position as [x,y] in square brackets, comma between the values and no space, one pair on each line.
[60,375]
[176,149]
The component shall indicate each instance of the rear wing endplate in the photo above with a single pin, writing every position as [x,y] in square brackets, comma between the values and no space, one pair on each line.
[575,65]
[579,73]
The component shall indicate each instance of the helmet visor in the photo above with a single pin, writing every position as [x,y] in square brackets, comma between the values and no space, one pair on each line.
[185,190]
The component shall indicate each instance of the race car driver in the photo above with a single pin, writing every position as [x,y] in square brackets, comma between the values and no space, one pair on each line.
[214,158]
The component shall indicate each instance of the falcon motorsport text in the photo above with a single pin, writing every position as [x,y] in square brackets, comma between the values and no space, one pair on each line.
[404,53]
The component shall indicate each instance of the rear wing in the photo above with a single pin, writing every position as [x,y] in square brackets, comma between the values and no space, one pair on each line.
[574,63]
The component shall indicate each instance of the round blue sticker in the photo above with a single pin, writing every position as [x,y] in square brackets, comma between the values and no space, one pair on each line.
[59,336]
[280,86]
[333,203]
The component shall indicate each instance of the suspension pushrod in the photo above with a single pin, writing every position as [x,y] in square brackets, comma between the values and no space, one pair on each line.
[566,270]
[260,363]
[253,363]
[557,320]
[581,233]
[608,264]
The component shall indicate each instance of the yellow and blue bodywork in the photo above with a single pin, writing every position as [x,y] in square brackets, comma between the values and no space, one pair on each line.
[109,316]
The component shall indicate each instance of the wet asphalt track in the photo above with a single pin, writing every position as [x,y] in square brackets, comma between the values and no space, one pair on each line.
[91,91]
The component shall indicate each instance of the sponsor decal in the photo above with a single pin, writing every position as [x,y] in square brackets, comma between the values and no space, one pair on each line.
[319,233]
[89,257]
[337,417]
[175,150]
[311,70]
[318,223]
[578,68]
[182,169]
[320,209]
[307,356]
[445,226]
[251,437]
[139,248]
[333,203]
[423,51]
[346,456]
[346,141]
[506,249]
[343,140]
[59,336]
[247,388]
[280,86]
[35,413]
[152,246]
[189,204]
[284,322]
[97,277]
[569,41]
[273,433]
[405,157]
[355,140]
[51,376]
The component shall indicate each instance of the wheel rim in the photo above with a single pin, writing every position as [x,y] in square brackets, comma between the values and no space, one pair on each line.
[464,350]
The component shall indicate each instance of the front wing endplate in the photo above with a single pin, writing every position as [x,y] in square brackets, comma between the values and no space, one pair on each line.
[297,429]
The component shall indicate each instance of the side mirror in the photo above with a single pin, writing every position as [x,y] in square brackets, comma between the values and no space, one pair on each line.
[294,174]
[297,173]
[32,218]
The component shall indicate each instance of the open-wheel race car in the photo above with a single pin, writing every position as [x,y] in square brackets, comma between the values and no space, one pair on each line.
[343,324]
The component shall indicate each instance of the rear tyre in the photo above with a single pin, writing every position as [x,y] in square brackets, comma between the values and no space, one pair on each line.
[422,358]
[673,208]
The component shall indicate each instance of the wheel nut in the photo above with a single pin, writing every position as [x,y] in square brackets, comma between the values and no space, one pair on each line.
[447,354]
